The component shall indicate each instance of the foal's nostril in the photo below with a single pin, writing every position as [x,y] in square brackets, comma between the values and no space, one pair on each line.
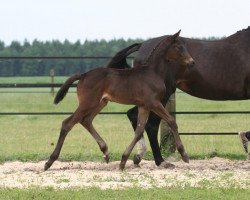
[191,62]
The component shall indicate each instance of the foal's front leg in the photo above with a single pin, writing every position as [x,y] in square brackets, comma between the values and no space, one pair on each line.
[163,113]
[151,128]
[142,120]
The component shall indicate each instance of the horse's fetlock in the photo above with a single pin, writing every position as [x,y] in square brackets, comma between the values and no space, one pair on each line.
[124,156]
[103,148]
[180,148]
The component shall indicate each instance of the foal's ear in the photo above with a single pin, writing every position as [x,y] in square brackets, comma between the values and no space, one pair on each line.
[175,36]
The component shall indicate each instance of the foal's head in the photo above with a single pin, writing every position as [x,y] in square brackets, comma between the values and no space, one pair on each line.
[176,51]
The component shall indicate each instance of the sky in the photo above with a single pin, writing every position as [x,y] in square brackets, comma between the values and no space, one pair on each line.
[110,19]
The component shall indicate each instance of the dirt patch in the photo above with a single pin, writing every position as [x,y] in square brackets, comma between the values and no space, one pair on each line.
[216,172]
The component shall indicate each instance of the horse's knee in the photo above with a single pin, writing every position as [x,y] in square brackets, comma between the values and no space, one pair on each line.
[66,125]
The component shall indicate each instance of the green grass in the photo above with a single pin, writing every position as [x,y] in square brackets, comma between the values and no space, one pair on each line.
[34,137]
[135,193]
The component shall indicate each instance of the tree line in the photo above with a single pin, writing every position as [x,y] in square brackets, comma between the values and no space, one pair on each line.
[62,67]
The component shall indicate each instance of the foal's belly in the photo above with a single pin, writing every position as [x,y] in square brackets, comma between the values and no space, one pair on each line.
[124,98]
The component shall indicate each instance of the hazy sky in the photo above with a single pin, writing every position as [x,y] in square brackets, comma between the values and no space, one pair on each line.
[108,19]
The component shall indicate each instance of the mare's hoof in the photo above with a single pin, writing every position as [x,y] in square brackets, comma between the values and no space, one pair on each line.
[137,159]
[185,158]
[167,165]
[106,158]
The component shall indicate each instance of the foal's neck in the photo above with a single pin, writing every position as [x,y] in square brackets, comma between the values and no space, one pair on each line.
[164,69]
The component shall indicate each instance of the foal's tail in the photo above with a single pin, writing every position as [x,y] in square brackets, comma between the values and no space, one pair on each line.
[65,87]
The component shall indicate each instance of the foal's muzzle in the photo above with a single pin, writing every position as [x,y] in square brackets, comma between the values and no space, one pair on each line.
[190,62]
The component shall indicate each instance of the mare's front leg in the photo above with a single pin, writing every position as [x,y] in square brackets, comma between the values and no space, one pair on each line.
[67,125]
[142,120]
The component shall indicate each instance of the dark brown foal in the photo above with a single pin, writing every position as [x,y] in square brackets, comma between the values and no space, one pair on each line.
[143,86]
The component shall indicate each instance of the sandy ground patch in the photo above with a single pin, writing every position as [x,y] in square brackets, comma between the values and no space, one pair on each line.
[216,172]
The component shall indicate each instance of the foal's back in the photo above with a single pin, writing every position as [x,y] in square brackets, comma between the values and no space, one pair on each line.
[129,86]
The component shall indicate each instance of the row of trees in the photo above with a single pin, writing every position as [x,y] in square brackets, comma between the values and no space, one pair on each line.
[41,67]
[62,67]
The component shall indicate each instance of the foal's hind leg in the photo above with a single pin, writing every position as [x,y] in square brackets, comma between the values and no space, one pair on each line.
[163,113]
[141,144]
[67,125]
[141,122]
[87,123]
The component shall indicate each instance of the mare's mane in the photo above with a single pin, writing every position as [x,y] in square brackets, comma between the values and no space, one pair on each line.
[244,31]
[242,35]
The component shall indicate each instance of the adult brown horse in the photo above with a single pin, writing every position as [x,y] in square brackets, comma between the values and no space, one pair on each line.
[222,72]
[144,87]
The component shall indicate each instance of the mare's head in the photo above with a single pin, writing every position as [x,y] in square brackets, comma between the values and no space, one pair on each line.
[175,51]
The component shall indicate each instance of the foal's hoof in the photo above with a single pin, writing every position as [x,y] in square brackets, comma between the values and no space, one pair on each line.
[185,158]
[47,166]
[137,159]
[167,165]
[121,166]
[106,158]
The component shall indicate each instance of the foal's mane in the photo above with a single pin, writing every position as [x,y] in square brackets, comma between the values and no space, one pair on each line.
[160,46]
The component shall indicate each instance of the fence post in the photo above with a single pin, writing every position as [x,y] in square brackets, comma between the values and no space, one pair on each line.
[167,141]
[52,75]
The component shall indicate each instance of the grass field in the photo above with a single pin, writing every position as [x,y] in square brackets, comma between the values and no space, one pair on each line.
[33,137]
[95,194]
